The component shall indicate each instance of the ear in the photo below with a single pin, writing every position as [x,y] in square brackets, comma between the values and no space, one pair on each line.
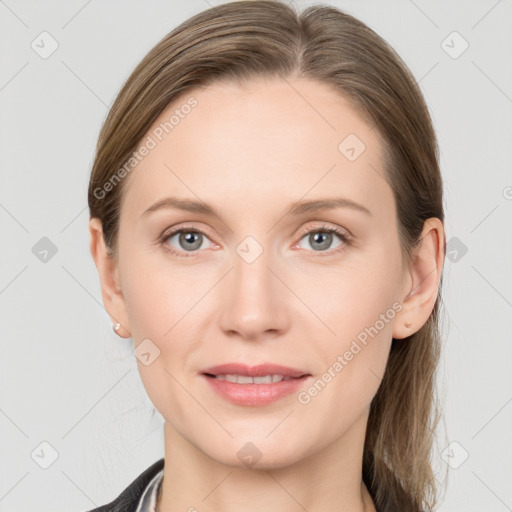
[422,283]
[108,272]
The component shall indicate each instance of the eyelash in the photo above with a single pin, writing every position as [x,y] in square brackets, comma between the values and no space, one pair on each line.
[345,238]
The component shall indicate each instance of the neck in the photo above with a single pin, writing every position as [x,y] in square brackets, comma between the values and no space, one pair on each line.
[327,481]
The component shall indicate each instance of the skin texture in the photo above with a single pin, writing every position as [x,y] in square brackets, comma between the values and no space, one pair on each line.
[250,151]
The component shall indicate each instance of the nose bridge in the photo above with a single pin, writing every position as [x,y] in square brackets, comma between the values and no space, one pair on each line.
[251,273]
[253,303]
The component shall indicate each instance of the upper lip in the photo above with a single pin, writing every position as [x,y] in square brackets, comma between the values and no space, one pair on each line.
[254,371]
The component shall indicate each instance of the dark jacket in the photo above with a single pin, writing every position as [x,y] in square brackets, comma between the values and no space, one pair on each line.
[128,500]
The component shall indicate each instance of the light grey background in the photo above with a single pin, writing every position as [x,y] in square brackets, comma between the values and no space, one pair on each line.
[67,380]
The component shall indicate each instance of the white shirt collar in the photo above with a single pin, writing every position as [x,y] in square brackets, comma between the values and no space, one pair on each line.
[147,501]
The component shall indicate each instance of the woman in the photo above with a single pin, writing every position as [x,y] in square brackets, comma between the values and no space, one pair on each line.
[290,376]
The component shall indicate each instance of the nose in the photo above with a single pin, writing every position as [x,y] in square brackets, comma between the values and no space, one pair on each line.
[254,299]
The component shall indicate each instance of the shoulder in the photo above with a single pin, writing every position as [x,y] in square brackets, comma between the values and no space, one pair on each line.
[128,499]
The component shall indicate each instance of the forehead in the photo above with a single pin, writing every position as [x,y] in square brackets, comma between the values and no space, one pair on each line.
[253,143]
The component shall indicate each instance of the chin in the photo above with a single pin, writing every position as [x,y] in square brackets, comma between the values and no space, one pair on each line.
[252,452]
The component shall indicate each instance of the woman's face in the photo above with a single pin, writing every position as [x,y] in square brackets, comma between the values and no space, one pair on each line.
[261,281]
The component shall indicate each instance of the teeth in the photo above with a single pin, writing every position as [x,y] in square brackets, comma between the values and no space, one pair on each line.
[244,379]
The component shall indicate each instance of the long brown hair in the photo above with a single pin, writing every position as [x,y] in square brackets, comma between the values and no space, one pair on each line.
[245,40]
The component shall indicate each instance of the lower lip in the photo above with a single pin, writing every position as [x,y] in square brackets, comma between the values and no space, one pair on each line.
[255,395]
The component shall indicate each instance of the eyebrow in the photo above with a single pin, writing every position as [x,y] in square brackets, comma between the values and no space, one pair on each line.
[297,208]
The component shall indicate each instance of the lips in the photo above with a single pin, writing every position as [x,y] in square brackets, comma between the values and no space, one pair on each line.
[249,386]
[260,370]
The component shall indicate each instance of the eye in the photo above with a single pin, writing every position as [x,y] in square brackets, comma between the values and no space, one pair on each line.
[191,240]
[321,238]
[188,240]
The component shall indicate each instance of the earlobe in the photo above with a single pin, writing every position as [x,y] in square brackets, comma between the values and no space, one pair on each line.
[425,274]
[108,272]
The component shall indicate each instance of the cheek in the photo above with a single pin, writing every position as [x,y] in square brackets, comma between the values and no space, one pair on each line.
[347,298]
[354,358]
[161,312]
[358,305]
[157,296]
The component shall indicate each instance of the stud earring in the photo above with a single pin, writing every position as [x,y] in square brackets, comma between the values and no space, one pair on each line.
[116,327]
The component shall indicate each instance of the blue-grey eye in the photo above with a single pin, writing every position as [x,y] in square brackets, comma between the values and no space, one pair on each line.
[188,240]
[321,240]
